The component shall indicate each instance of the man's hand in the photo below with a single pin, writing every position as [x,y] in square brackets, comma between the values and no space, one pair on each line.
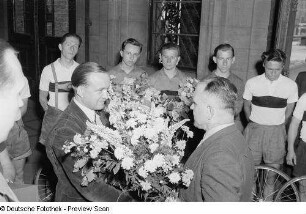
[8,168]
[291,158]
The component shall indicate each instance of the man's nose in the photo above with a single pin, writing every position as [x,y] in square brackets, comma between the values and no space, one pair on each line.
[104,94]
[20,102]
[192,106]
[224,62]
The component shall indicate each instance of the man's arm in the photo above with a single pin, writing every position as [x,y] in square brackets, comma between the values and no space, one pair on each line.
[292,133]
[95,191]
[221,178]
[247,106]
[43,99]
[289,110]
[8,168]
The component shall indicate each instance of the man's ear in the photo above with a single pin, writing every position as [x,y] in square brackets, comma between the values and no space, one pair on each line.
[160,60]
[80,91]
[60,47]
[211,112]
[214,59]
[178,60]
[233,60]
[121,53]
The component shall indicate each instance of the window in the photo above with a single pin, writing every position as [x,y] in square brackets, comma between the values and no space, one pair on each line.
[178,22]
[57,18]
[298,51]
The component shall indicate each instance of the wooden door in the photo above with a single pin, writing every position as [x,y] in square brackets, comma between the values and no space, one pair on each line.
[35,29]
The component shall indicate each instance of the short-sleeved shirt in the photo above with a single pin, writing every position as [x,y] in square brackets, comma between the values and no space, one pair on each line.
[63,74]
[120,74]
[160,81]
[299,113]
[270,98]
[300,108]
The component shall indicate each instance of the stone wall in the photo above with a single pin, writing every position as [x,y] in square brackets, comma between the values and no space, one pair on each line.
[113,21]
[243,24]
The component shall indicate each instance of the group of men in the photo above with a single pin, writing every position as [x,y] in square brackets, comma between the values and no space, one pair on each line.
[223,162]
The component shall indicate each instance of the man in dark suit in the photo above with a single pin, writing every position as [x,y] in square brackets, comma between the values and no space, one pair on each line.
[90,83]
[222,163]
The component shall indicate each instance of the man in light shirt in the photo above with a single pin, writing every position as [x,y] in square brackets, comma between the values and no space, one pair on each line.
[127,68]
[55,83]
[222,163]
[269,101]
[90,83]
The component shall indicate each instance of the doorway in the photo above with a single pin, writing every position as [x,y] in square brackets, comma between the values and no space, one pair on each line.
[34,29]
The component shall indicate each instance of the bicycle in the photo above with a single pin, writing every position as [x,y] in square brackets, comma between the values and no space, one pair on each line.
[292,190]
[262,173]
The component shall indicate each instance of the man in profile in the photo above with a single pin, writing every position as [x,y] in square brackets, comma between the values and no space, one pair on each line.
[222,163]
[11,85]
[90,83]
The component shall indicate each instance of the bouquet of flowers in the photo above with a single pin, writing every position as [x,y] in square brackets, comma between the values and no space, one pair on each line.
[143,149]
[186,90]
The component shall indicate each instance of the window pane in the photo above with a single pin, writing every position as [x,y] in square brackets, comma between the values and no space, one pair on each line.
[298,52]
[19,16]
[61,17]
[176,21]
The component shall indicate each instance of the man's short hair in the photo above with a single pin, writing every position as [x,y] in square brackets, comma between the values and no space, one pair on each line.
[5,73]
[132,42]
[170,46]
[274,55]
[224,47]
[65,36]
[224,90]
[80,74]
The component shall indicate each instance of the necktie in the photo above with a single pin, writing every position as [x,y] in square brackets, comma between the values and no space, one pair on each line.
[97,120]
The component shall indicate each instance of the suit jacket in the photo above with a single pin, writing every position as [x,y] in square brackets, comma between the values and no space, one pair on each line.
[72,121]
[223,169]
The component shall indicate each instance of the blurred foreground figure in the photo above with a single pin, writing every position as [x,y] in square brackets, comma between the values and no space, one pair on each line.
[11,85]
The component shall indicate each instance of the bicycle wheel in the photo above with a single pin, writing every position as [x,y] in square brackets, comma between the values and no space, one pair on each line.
[46,182]
[263,174]
[294,190]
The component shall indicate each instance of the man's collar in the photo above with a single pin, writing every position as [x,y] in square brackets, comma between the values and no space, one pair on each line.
[87,111]
[213,131]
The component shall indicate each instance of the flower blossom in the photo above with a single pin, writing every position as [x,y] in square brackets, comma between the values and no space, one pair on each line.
[174,177]
[158,160]
[153,147]
[150,166]
[119,153]
[78,139]
[175,160]
[181,144]
[187,176]
[127,163]
[142,172]
[145,185]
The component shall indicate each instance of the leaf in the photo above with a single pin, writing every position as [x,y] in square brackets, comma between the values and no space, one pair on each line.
[116,168]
